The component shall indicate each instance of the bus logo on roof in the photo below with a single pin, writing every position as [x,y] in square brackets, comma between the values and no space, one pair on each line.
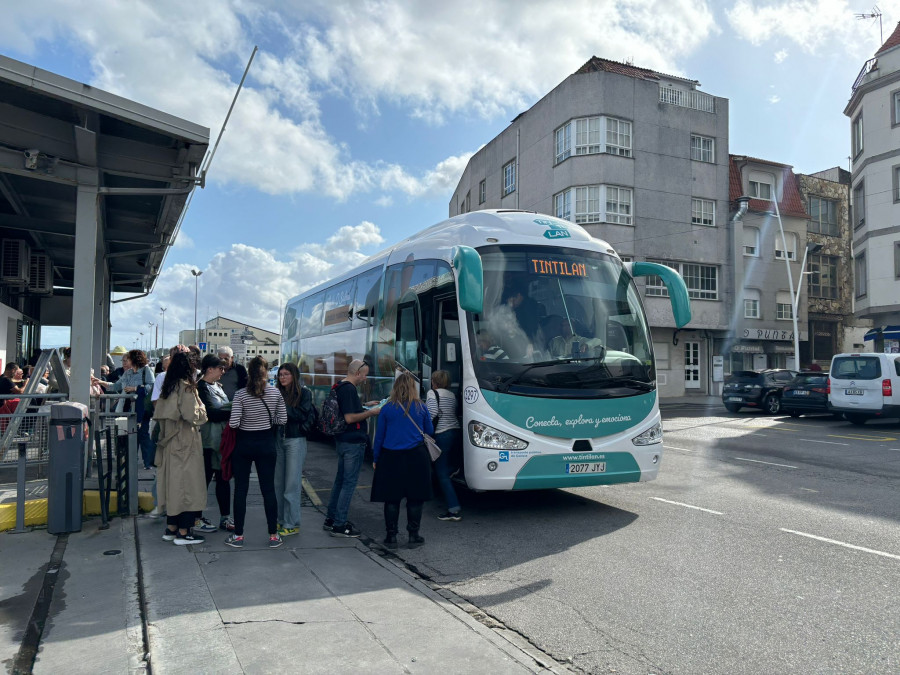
[554,230]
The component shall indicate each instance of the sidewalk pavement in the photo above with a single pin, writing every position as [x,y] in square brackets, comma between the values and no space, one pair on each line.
[317,604]
[695,401]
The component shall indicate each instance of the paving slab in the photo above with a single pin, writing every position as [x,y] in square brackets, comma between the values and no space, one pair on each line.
[23,560]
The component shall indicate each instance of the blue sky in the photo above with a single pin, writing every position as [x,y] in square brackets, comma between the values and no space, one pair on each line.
[358,117]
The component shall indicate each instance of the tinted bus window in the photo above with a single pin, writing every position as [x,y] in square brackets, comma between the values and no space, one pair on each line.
[311,315]
[338,303]
[365,306]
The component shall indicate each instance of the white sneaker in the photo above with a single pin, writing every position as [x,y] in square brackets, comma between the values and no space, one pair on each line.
[203,525]
[156,513]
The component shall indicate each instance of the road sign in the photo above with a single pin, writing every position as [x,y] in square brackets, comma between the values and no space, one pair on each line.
[202,346]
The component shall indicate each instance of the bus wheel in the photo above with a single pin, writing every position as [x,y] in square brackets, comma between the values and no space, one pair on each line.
[858,420]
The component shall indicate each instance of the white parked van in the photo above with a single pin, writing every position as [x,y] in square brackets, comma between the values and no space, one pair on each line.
[865,386]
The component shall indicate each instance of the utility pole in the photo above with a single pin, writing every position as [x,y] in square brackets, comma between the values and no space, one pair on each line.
[196,274]
[163,312]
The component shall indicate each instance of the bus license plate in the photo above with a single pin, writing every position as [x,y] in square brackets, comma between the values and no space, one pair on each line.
[854,392]
[586,467]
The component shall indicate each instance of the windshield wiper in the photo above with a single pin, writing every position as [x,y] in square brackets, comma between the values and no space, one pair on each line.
[626,381]
[503,386]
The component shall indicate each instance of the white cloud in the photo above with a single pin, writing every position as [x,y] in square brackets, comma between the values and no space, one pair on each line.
[186,58]
[774,98]
[781,55]
[813,25]
[183,240]
[246,283]
[385,201]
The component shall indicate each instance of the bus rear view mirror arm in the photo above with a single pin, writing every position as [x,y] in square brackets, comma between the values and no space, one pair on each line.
[678,294]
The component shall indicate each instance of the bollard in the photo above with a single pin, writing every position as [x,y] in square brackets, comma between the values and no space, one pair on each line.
[20,493]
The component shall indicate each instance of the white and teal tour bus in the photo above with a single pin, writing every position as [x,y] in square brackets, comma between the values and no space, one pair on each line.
[540,326]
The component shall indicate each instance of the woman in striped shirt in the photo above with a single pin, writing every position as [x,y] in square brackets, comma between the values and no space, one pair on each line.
[441,404]
[257,413]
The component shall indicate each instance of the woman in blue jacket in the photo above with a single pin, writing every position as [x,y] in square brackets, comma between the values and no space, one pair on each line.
[401,460]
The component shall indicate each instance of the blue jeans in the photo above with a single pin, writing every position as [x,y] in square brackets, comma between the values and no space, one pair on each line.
[350,459]
[145,442]
[446,441]
[289,458]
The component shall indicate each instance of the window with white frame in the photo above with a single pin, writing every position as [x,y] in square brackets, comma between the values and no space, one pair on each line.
[564,142]
[588,202]
[751,303]
[509,177]
[859,204]
[783,309]
[760,190]
[618,137]
[482,192]
[592,135]
[702,281]
[857,135]
[895,107]
[703,212]
[563,203]
[703,148]
[618,205]
[861,272]
[789,251]
[751,241]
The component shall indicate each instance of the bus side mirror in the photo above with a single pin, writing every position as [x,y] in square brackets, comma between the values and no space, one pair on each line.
[678,294]
[469,278]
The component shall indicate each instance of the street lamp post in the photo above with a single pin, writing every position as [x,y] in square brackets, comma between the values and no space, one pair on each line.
[794,295]
[162,310]
[196,274]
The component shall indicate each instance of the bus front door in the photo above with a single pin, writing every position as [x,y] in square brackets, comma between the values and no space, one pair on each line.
[449,348]
[407,345]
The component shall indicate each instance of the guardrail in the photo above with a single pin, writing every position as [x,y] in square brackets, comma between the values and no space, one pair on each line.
[688,99]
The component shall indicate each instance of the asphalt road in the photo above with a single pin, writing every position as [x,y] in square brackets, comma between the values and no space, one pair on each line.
[767,545]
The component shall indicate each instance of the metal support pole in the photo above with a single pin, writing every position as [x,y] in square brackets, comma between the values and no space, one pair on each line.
[20,488]
[131,464]
[790,282]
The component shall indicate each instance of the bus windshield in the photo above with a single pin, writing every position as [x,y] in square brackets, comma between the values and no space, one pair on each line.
[560,321]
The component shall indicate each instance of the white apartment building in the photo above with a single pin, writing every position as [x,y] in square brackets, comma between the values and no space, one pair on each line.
[220,331]
[874,112]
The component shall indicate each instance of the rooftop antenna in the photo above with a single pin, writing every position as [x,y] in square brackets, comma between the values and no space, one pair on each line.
[874,14]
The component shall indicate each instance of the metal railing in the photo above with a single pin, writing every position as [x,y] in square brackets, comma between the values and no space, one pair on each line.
[688,99]
[28,423]
[865,70]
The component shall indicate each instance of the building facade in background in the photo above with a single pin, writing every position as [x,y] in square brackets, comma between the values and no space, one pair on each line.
[874,112]
[247,341]
[640,159]
[762,334]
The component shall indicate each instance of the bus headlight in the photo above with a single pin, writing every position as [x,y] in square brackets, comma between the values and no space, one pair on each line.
[650,437]
[488,437]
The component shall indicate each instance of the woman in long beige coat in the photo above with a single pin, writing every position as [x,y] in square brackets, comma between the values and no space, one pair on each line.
[181,480]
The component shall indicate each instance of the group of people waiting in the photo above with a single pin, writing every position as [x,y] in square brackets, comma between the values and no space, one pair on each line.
[214,419]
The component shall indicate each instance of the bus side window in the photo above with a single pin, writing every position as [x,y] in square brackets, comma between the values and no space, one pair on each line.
[406,349]
[365,306]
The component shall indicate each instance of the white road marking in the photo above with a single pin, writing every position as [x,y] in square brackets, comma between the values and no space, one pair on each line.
[844,544]
[759,461]
[812,440]
[688,506]
[672,447]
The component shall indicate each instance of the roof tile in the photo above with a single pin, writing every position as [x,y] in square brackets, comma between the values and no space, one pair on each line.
[892,41]
[791,203]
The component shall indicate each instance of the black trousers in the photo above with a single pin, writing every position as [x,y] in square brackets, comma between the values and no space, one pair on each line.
[254,447]
[183,521]
[413,516]
[223,487]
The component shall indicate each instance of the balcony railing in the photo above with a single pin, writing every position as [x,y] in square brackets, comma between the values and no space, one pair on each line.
[865,70]
[688,99]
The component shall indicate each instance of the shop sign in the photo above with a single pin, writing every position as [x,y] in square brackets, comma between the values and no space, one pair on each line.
[767,334]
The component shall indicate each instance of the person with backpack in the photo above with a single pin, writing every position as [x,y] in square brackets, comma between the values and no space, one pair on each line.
[256,413]
[291,447]
[350,443]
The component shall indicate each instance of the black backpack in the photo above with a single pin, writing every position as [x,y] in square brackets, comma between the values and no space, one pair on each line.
[312,420]
[331,421]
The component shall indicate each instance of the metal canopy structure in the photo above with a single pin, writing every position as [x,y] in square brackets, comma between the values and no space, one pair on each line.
[93,187]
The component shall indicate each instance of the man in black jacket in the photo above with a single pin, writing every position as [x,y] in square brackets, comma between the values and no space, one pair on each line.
[235,375]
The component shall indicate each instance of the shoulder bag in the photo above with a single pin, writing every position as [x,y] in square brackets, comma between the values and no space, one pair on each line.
[434,450]
[437,398]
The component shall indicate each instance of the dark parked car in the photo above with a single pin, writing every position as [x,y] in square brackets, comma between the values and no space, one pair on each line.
[806,393]
[756,389]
